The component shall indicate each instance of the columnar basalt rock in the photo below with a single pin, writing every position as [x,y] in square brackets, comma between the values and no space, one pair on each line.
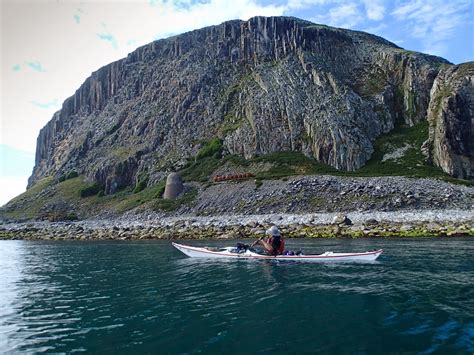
[451,119]
[262,85]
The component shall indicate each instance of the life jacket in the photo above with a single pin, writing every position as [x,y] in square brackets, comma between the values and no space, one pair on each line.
[278,245]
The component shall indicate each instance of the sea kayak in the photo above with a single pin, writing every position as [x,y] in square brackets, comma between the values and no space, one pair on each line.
[235,253]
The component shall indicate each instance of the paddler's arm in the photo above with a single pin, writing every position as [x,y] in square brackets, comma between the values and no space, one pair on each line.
[266,245]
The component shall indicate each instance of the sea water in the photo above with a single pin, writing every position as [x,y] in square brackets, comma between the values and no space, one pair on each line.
[147,297]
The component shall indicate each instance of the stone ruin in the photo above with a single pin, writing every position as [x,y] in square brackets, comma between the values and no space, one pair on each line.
[173,187]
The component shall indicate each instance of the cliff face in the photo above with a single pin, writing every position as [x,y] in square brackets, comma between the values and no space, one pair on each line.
[263,85]
[451,119]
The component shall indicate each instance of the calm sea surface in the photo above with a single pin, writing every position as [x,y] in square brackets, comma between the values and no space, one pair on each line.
[124,297]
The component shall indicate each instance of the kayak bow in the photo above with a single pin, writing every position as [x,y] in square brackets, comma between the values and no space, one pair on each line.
[231,252]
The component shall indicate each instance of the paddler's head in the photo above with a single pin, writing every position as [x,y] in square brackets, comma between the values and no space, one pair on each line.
[273,231]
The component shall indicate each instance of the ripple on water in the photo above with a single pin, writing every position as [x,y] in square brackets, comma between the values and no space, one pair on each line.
[65,297]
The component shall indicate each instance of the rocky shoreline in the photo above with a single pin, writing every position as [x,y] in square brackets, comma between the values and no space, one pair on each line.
[428,223]
[332,194]
[303,206]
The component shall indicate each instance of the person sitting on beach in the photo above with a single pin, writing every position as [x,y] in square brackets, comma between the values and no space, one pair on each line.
[274,243]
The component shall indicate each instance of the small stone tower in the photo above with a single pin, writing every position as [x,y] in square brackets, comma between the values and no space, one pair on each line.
[174,186]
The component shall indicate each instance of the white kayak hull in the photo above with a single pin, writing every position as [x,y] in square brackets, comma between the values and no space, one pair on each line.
[200,252]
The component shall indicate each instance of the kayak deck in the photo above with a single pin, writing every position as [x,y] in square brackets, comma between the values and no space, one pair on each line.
[230,252]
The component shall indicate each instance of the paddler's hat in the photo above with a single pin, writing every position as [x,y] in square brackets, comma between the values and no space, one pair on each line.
[273,231]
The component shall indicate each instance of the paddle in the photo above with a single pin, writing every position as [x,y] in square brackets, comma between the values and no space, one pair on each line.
[254,243]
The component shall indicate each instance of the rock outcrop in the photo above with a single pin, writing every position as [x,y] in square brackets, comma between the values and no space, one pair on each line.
[451,119]
[262,85]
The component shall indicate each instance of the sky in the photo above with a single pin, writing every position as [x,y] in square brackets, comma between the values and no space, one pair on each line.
[49,47]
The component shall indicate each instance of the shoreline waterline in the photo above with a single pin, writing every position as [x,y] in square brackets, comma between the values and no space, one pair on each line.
[415,223]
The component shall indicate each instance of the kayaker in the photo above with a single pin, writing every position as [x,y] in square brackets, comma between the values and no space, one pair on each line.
[274,243]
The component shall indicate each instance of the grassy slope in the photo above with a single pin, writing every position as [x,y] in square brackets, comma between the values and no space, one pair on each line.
[412,163]
[31,204]
[283,164]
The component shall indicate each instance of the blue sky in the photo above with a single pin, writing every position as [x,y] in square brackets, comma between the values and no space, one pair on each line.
[49,48]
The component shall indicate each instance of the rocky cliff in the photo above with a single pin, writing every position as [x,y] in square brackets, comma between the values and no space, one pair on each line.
[451,119]
[262,85]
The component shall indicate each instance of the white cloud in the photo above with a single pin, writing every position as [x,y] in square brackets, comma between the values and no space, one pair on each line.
[341,13]
[47,104]
[375,9]
[304,4]
[434,23]
[346,15]
[407,8]
[36,66]
[105,35]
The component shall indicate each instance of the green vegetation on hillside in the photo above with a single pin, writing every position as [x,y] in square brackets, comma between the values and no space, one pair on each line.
[210,149]
[408,141]
[395,154]
[172,205]
[31,201]
[142,182]
[70,175]
[230,97]
[45,197]
[207,160]
[90,190]
[128,199]
[285,164]
[60,200]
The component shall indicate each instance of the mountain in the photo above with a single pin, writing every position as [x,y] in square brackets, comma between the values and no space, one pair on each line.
[264,85]
[274,96]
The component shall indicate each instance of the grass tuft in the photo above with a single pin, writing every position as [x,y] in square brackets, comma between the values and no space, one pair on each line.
[173,204]
[212,148]
[90,190]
